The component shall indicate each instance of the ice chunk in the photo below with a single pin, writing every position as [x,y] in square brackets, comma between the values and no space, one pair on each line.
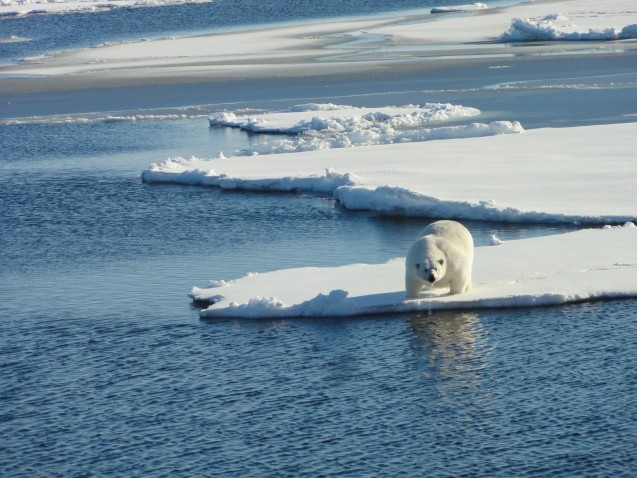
[460,8]
[535,272]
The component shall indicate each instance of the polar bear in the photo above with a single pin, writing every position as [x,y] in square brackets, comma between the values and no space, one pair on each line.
[442,256]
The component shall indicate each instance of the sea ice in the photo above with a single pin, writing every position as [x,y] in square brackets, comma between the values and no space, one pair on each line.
[348,126]
[531,20]
[568,175]
[460,8]
[579,266]
[302,118]
[559,27]
[286,48]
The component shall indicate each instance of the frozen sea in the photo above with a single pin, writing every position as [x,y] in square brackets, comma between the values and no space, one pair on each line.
[108,371]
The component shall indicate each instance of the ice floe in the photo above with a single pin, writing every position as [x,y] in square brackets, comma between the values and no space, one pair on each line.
[524,21]
[286,48]
[314,141]
[580,266]
[580,175]
[303,118]
[460,8]
[559,27]
[346,126]
[14,39]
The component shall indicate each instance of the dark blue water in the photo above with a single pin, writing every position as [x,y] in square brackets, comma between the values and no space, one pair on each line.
[107,371]
[500,394]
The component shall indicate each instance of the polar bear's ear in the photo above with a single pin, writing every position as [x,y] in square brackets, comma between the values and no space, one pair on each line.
[441,262]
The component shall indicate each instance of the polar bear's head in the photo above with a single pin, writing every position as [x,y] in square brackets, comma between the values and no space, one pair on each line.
[427,261]
[431,269]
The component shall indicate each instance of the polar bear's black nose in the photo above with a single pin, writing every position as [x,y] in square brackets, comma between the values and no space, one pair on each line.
[432,278]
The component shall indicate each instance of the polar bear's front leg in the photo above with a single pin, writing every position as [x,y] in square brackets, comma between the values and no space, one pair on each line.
[412,287]
[460,286]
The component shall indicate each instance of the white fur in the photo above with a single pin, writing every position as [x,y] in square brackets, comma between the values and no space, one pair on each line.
[442,256]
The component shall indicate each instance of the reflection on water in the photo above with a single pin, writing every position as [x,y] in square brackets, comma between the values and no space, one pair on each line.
[456,349]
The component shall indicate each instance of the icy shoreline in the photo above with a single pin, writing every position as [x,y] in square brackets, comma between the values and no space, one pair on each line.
[286,50]
[580,175]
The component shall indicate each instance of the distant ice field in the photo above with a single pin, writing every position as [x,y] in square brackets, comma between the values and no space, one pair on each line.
[23,36]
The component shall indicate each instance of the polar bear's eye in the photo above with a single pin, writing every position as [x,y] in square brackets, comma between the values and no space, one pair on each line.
[417,266]
[441,262]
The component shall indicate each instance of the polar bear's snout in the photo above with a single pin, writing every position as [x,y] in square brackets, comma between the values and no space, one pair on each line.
[428,272]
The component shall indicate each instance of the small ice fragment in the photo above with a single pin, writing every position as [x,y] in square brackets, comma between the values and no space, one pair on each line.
[494,240]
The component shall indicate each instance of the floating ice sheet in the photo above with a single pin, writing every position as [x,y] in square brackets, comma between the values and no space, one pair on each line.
[331,117]
[473,7]
[580,266]
[570,175]
[328,126]
[557,27]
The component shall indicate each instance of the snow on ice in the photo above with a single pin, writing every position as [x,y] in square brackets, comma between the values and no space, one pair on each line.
[460,8]
[559,27]
[525,21]
[340,126]
[582,174]
[302,118]
[580,266]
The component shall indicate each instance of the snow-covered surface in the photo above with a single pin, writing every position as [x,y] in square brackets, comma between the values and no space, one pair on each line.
[460,8]
[560,27]
[230,53]
[327,126]
[488,25]
[285,49]
[582,174]
[360,136]
[331,117]
[574,267]
[27,7]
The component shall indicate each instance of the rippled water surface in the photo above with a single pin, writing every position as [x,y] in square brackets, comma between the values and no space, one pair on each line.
[107,370]
[501,393]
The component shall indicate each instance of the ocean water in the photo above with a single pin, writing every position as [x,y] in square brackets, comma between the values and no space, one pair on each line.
[107,370]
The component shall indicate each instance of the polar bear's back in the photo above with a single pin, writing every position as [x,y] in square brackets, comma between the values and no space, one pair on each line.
[451,231]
